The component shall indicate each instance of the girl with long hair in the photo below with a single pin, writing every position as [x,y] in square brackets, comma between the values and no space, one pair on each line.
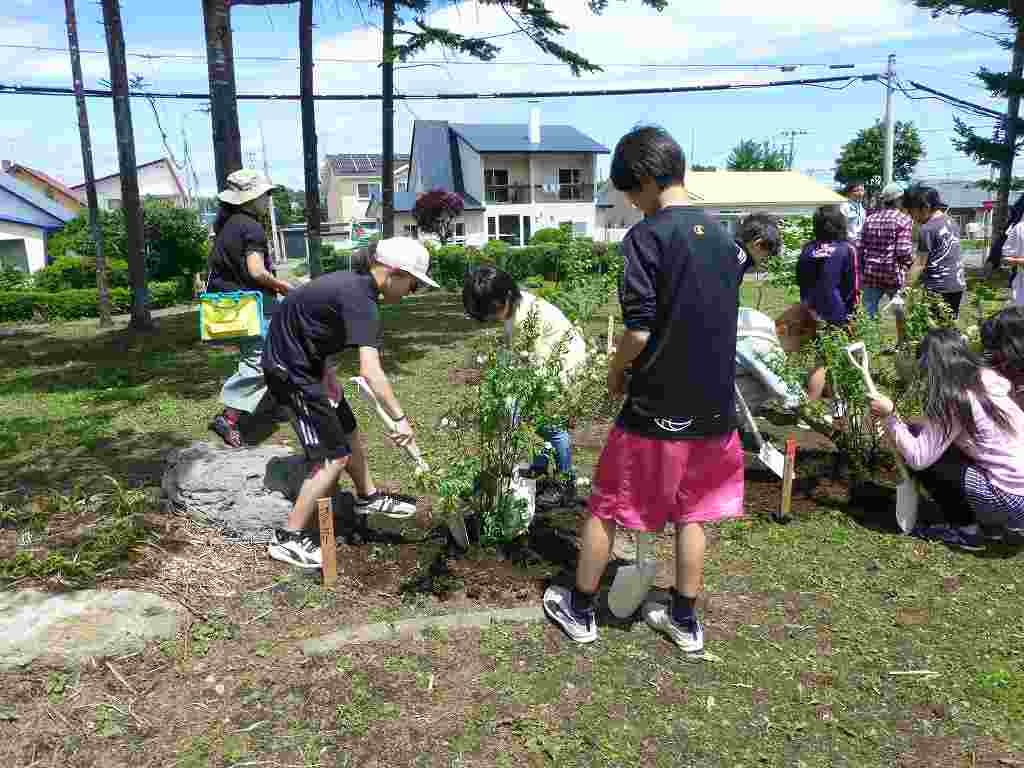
[1002,338]
[969,451]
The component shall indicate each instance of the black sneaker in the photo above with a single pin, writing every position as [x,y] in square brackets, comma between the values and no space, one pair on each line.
[297,548]
[393,505]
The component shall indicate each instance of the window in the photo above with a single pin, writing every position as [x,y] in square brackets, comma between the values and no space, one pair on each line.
[366,191]
[114,204]
[581,229]
[492,228]
[411,230]
[570,184]
[527,222]
[496,185]
[402,185]
[460,232]
[508,229]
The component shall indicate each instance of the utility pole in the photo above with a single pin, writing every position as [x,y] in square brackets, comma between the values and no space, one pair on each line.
[387,182]
[792,145]
[273,216]
[130,203]
[309,135]
[1010,133]
[102,292]
[890,126]
[220,61]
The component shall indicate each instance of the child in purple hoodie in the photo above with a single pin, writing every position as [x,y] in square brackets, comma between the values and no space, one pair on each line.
[969,452]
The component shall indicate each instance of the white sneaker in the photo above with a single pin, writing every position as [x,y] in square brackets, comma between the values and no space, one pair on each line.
[558,607]
[388,504]
[295,548]
[689,639]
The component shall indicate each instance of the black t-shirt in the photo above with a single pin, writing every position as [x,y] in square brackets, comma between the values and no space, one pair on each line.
[334,312]
[681,283]
[241,235]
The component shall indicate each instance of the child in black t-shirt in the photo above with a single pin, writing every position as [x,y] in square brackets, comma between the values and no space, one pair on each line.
[674,454]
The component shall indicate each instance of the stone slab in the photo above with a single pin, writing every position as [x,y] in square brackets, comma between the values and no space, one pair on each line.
[65,629]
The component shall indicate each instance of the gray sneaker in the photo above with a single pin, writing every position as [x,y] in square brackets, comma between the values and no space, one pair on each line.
[295,548]
[394,505]
[558,606]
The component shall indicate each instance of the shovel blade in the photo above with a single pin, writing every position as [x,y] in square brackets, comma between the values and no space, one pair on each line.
[906,505]
[772,458]
[457,527]
[631,585]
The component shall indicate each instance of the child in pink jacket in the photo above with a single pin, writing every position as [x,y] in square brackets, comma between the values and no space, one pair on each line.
[969,452]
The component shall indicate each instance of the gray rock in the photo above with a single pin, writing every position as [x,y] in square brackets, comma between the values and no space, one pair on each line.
[66,629]
[246,492]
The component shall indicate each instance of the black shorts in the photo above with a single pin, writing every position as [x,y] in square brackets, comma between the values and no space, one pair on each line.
[323,429]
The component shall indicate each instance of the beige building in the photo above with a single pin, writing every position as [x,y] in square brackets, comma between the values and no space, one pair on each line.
[513,178]
[349,183]
[727,196]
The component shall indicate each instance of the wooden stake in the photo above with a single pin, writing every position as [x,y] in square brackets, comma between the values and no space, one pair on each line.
[611,333]
[787,480]
[328,548]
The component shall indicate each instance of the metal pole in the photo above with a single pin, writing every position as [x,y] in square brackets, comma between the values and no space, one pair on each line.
[102,292]
[309,135]
[890,127]
[273,215]
[387,182]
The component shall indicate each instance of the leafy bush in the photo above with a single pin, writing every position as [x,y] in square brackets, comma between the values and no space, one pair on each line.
[580,302]
[176,241]
[495,251]
[12,279]
[80,303]
[75,272]
[449,264]
[548,235]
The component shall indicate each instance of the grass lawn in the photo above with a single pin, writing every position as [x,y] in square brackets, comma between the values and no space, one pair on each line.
[808,621]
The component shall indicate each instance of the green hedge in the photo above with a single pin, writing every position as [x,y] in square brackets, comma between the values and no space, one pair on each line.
[69,273]
[80,303]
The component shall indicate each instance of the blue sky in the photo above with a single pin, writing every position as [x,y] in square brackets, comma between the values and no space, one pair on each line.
[639,47]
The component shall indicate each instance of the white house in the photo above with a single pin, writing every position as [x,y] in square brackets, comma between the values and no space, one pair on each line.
[514,179]
[26,220]
[728,196]
[157,181]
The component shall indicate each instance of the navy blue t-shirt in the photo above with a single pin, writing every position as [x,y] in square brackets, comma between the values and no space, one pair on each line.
[827,276]
[681,283]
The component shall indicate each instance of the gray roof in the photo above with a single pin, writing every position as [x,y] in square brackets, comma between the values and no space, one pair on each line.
[360,164]
[959,193]
[35,200]
[406,201]
[516,138]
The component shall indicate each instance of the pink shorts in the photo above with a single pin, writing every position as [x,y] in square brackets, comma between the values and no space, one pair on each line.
[643,483]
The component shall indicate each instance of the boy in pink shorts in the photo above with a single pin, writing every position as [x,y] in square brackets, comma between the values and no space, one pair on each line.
[674,455]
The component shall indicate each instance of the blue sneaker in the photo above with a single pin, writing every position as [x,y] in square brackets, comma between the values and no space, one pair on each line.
[961,538]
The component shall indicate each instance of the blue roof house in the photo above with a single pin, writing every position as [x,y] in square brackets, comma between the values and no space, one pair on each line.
[26,220]
[514,179]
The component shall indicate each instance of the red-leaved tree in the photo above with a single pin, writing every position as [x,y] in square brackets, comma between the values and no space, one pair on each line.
[436,211]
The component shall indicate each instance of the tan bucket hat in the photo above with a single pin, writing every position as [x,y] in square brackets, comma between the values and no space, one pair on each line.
[406,254]
[245,185]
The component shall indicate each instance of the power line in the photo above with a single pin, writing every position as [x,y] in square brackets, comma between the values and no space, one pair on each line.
[38,90]
[785,67]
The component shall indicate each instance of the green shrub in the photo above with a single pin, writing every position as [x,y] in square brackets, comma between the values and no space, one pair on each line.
[12,279]
[78,304]
[449,264]
[550,235]
[70,273]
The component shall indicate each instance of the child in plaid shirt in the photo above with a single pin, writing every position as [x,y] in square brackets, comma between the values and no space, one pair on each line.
[886,253]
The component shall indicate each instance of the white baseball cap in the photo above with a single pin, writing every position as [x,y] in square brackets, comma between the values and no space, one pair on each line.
[406,254]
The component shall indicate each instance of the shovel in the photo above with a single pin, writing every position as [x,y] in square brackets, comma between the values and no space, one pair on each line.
[633,582]
[767,453]
[906,491]
[456,523]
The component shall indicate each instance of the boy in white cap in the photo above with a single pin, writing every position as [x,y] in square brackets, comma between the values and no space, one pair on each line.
[331,313]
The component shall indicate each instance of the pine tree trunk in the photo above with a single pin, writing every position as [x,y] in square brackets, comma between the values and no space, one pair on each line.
[1012,110]
[309,149]
[227,137]
[130,203]
[102,293]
